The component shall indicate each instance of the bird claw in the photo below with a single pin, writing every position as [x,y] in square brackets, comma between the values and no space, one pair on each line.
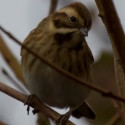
[62,119]
[35,111]
[29,102]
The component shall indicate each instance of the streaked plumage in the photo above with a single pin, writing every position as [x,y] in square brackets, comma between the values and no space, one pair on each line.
[61,42]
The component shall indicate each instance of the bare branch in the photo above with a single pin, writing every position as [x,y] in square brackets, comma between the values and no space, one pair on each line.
[119,111]
[113,120]
[104,92]
[11,60]
[53,5]
[12,80]
[36,103]
[114,28]
[116,35]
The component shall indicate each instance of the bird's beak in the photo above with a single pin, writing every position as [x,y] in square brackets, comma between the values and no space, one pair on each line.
[84,31]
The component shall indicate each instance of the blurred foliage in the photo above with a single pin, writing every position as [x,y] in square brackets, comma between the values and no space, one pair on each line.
[104,76]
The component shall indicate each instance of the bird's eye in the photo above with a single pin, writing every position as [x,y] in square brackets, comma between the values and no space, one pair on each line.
[72,19]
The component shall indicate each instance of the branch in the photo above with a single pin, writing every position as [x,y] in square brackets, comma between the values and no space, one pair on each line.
[53,5]
[36,103]
[104,92]
[113,120]
[119,111]
[114,28]
[16,84]
[11,60]
[115,31]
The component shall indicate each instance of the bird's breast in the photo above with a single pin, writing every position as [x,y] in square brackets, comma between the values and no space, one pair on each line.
[52,87]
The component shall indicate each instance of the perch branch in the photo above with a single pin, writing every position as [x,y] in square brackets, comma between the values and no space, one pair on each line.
[36,103]
[104,92]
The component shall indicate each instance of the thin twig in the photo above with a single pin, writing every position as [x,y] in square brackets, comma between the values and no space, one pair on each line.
[118,109]
[113,120]
[117,115]
[36,103]
[12,80]
[115,31]
[104,92]
[53,5]
[11,60]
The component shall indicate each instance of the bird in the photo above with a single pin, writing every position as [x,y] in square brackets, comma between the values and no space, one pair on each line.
[60,39]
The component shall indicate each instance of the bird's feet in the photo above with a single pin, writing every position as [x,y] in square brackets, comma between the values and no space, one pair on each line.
[29,102]
[63,118]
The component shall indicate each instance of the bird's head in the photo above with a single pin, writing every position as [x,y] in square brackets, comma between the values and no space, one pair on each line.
[71,18]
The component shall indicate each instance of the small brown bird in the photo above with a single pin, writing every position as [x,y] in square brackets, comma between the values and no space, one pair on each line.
[60,38]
